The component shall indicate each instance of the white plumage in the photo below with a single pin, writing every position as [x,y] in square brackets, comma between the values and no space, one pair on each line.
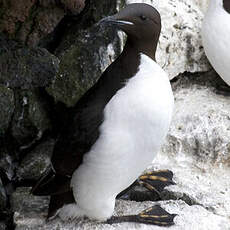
[216,38]
[136,121]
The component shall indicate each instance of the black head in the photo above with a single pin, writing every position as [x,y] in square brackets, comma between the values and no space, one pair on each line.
[141,22]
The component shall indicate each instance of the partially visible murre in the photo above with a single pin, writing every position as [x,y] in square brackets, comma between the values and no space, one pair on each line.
[226,4]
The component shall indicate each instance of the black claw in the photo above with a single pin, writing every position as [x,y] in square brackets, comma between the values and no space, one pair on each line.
[154,216]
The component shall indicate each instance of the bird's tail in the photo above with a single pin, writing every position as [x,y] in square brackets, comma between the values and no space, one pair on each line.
[51,183]
[58,201]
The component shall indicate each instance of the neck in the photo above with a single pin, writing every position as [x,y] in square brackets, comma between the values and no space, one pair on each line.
[226,5]
[147,48]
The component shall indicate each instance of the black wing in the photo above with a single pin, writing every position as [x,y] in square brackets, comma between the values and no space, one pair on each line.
[79,134]
[81,131]
[82,128]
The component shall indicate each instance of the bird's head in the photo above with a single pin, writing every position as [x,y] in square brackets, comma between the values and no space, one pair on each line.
[139,21]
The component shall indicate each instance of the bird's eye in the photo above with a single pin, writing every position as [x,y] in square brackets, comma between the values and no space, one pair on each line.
[143,17]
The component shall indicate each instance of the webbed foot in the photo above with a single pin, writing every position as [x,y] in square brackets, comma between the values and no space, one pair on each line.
[148,186]
[156,181]
[154,215]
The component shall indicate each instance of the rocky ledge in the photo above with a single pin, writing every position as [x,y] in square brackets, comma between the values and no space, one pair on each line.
[200,162]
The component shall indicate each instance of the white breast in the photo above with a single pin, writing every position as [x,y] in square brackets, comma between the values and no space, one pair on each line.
[216,38]
[136,121]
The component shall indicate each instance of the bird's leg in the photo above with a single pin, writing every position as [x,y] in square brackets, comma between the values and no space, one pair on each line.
[154,215]
[148,186]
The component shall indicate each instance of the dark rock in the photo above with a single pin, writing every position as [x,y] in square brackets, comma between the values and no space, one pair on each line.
[36,162]
[2,226]
[3,197]
[30,119]
[6,163]
[22,201]
[28,21]
[99,9]
[74,6]
[7,108]
[45,19]
[14,12]
[83,58]
[84,51]
[27,68]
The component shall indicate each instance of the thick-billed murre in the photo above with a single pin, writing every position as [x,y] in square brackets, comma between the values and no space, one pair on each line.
[216,37]
[116,129]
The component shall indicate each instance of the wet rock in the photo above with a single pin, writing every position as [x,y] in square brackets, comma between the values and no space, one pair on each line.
[3,198]
[82,63]
[180,48]
[7,108]
[26,68]
[30,119]
[36,162]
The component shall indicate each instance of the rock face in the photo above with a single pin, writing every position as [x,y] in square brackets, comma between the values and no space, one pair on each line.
[36,162]
[7,108]
[2,226]
[84,53]
[200,127]
[30,119]
[6,163]
[25,68]
[82,63]
[3,198]
[29,21]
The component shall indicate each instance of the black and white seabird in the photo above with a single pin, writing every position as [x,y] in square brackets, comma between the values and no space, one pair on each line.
[116,129]
[216,37]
